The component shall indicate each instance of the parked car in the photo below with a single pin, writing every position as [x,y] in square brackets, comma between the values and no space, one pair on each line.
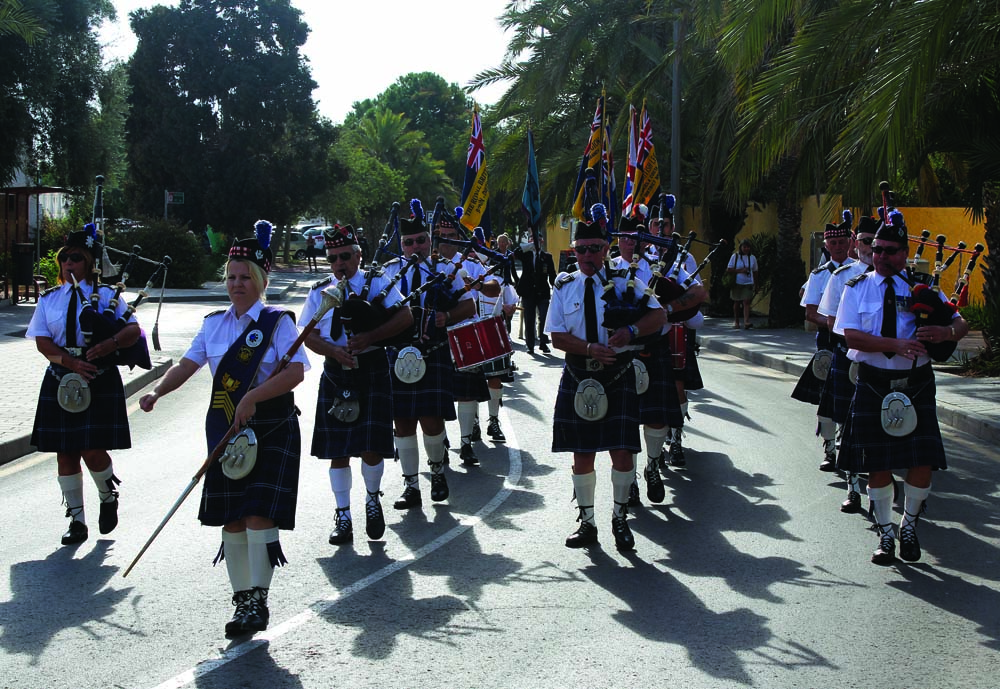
[297,245]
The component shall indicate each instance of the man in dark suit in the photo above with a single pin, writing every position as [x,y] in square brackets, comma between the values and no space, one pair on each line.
[534,286]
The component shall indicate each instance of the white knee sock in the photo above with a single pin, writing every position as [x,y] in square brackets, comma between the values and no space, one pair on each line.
[585,486]
[72,490]
[340,484]
[684,410]
[496,394]
[913,500]
[409,458]
[434,447]
[827,428]
[101,480]
[466,420]
[881,500]
[372,474]
[237,555]
[261,568]
[621,481]
[654,437]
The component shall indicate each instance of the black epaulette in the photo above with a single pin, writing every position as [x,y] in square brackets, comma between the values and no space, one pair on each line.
[50,290]
[843,268]
[215,313]
[856,279]
[820,268]
[322,283]
[564,279]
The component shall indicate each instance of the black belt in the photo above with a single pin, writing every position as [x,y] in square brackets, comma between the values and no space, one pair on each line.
[894,379]
[590,365]
[276,405]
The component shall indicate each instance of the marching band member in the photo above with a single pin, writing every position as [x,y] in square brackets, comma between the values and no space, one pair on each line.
[838,242]
[596,406]
[835,399]
[354,407]
[85,424]
[242,346]
[894,375]
[422,389]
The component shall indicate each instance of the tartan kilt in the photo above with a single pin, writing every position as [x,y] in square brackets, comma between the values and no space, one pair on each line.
[371,384]
[471,385]
[618,430]
[271,489]
[660,404]
[866,447]
[809,388]
[103,426]
[431,395]
[835,400]
[692,374]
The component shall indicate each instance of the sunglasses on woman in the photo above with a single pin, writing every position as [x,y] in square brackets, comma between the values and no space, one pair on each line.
[422,239]
[588,249]
[342,256]
[887,250]
[74,257]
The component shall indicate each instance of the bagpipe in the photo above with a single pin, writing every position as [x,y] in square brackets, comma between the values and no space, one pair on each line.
[97,325]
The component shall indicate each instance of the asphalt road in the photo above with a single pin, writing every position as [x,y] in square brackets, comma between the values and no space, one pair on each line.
[746,575]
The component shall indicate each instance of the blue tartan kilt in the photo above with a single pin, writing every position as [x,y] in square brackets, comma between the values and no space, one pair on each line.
[618,430]
[866,447]
[102,426]
[271,489]
[835,401]
[809,388]
[471,385]
[692,374]
[371,385]
[431,395]
[659,404]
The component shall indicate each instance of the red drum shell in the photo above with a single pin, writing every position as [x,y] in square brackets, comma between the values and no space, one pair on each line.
[479,342]
[677,337]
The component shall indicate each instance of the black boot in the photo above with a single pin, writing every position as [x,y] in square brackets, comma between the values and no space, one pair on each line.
[257,614]
[411,495]
[108,519]
[77,531]
[374,518]
[343,527]
[237,625]
[439,482]
[624,540]
[586,534]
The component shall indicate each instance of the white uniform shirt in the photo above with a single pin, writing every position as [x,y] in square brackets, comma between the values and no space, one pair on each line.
[427,272]
[49,318]
[830,301]
[220,330]
[861,309]
[817,281]
[566,311]
[355,286]
[741,262]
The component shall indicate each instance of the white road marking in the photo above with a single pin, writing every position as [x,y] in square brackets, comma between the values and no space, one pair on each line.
[322,606]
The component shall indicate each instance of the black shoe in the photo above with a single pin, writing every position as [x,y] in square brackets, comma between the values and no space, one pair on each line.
[544,348]
[374,517]
[853,503]
[77,533]
[477,432]
[829,462]
[531,351]
[493,430]
[439,487]
[885,554]
[409,498]
[582,537]
[909,546]
[237,625]
[468,456]
[624,540]
[257,614]
[343,528]
[677,452]
[108,519]
[654,484]
[633,494]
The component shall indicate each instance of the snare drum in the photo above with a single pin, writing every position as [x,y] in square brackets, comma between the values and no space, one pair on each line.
[479,342]
[677,337]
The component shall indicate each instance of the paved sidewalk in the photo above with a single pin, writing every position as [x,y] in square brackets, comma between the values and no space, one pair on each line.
[968,404]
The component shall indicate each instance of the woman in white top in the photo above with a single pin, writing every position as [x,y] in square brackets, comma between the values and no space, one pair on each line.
[744,266]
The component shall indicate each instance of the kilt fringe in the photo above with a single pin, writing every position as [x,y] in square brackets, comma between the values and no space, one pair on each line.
[275,554]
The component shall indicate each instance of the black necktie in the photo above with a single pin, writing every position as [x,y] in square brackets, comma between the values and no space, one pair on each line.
[889,313]
[416,278]
[590,311]
[71,320]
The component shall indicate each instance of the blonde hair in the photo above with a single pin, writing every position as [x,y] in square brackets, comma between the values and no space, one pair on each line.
[257,275]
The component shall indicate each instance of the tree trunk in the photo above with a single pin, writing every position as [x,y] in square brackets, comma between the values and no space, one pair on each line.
[785,310]
[990,265]
[723,225]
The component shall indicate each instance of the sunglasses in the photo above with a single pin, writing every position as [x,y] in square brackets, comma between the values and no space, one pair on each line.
[887,250]
[867,241]
[588,249]
[74,257]
[342,256]
[422,239]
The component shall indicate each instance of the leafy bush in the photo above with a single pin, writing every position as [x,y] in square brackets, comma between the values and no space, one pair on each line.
[189,267]
[49,266]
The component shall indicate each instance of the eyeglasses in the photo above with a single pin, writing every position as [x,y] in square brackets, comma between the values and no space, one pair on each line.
[342,256]
[887,250]
[74,257]
[588,249]
[867,241]
[422,239]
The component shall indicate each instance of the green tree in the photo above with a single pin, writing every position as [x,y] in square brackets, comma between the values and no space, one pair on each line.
[18,21]
[221,109]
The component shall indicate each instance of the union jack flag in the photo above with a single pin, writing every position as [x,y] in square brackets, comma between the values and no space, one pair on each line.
[477,152]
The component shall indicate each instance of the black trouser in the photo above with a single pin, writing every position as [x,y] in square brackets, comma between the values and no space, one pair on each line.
[530,306]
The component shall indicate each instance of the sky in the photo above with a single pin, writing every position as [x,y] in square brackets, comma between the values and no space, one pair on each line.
[357,49]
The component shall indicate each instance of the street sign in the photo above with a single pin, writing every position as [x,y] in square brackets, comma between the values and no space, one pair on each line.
[175,197]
